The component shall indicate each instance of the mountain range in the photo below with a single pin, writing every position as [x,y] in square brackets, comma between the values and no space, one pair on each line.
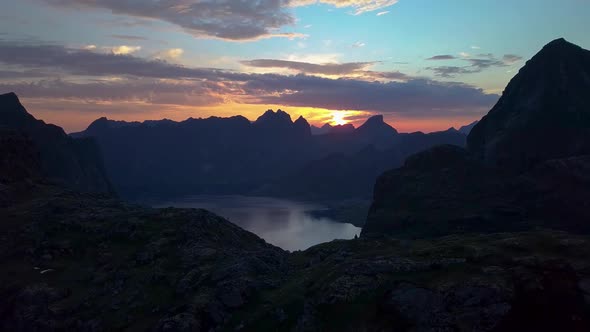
[263,157]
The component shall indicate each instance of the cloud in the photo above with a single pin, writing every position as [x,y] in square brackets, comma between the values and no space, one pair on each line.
[147,91]
[476,65]
[358,70]
[417,97]
[170,54]
[360,6]
[451,71]
[310,68]
[383,13]
[511,59]
[97,76]
[358,45]
[223,19]
[442,57]
[89,63]
[124,49]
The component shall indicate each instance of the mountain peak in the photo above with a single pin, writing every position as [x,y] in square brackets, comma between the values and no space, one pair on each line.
[102,122]
[560,43]
[544,112]
[10,102]
[301,121]
[271,116]
[377,126]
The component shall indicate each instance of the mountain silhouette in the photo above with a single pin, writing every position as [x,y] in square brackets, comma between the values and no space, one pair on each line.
[543,114]
[75,163]
[233,155]
[527,164]
[467,128]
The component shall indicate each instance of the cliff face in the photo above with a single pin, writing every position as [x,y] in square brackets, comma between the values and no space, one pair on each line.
[20,160]
[526,163]
[75,163]
[543,114]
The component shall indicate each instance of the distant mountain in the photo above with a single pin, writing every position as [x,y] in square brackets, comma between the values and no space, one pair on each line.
[467,129]
[543,114]
[342,175]
[329,129]
[213,155]
[272,155]
[325,129]
[342,129]
[75,163]
[527,163]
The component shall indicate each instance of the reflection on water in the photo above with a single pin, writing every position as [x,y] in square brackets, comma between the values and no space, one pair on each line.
[286,224]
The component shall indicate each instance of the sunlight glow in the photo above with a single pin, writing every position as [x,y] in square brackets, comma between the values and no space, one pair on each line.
[338,118]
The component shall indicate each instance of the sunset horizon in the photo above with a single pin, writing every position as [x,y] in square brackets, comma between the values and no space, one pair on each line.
[73,61]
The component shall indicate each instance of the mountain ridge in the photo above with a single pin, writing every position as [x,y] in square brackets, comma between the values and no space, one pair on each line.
[524,167]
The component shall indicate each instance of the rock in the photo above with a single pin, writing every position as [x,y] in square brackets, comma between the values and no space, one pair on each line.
[183,322]
[420,308]
[543,114]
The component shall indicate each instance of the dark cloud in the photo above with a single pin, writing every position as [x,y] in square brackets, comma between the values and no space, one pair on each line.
[310,68]
[480,64]
[88,76]
[451,71]
[442,57]
[476,65]
[89,63]
[417,97]
[225,19]
[144,90]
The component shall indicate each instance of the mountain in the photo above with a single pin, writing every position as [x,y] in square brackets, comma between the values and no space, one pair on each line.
[267,156]
[76,163]
[527,162]
[326,128]
[544,112]
[213,155]
[343,176]
[342,129]
[467,128]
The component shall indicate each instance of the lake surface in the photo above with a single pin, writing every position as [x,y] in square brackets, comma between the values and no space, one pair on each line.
[283,223]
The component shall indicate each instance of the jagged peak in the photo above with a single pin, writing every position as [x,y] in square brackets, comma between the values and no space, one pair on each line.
[301,120]
[271,115]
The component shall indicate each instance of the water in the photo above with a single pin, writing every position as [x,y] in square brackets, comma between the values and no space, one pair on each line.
[283,223]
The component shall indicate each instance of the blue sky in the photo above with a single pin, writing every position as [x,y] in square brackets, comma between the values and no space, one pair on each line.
[351,57]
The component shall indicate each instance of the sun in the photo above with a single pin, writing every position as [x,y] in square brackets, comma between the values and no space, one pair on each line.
[338,118]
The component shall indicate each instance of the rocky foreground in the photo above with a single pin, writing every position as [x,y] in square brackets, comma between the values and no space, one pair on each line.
[91,263]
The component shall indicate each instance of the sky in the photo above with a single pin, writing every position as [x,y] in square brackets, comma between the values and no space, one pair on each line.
[425,65]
